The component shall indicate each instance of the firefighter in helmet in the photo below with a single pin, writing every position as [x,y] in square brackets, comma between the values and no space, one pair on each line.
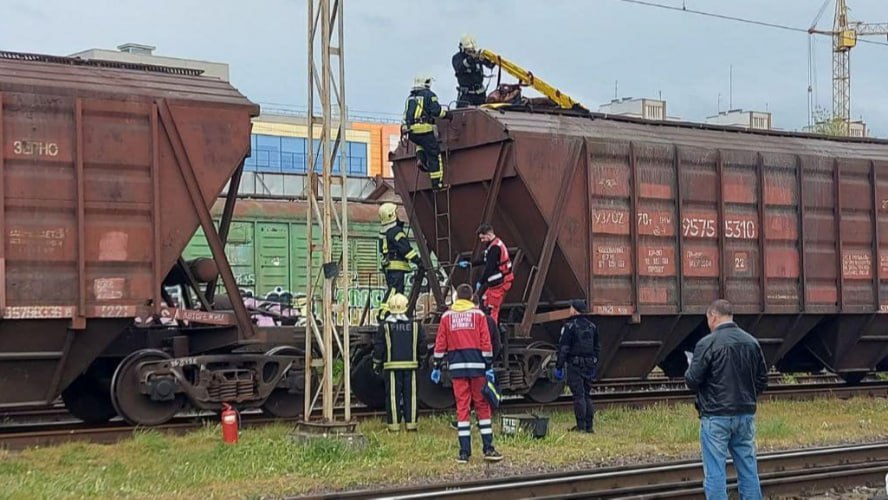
[420,112]
[396,254]
[397,350]
[469,70]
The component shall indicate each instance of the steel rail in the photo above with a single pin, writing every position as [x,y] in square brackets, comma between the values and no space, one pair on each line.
[784,471]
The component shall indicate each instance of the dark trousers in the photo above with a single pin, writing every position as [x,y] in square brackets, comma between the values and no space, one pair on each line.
[579,379]
[467,99]
[394,283]
[400,389]
[428,151]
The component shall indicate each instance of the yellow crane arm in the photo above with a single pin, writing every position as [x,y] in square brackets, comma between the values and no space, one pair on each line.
[527,78]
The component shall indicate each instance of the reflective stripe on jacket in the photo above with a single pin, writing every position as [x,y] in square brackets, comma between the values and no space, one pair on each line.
[395,249]
[463,337]
[399,343]
[421,110]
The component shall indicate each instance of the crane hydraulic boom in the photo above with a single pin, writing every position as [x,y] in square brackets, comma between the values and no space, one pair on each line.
[528,79]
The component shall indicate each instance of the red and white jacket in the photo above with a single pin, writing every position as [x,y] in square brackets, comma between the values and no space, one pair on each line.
[464,338]
[497,265]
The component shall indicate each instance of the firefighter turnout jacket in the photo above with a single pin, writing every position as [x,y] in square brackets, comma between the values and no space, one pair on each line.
[469,72]
[497,265]
[395,249]
[421,110]
[400,343]
[463,336]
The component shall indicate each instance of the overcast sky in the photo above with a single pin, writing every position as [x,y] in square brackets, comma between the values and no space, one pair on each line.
[583,47]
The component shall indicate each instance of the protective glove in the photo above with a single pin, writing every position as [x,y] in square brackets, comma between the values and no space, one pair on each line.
[436,376]
[377,367]
[463,264]
[417,260]
[559,374]
[477,286]
[491,376]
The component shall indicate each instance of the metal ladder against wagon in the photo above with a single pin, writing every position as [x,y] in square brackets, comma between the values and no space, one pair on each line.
[443,243]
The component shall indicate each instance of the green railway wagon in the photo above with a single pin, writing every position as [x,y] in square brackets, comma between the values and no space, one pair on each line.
[267,248]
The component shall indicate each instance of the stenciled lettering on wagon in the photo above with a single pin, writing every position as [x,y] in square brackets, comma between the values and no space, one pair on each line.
[610,258]
[883,265]
[741,262]
[699,260]
[35,148]
[655,223]
[109,288]
[856,264]
[607,217]
[707,227]
[25,312]
[116,311]
[37,241]
[657,261]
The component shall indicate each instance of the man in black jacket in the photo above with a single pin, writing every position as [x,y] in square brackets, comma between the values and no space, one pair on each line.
[727,373]
[578,348]
[469,71]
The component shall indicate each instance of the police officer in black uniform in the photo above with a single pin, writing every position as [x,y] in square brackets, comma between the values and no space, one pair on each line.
[420,112]
[397,350]
[395,252]
[469,70]
[579,349]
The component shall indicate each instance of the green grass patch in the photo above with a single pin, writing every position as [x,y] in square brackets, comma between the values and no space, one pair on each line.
[268,463]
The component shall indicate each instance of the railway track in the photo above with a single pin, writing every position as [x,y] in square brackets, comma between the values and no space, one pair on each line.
[19,436]
[780,472]
[57,412]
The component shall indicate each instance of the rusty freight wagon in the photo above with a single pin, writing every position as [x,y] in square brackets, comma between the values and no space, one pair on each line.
[106,171]
[650,222]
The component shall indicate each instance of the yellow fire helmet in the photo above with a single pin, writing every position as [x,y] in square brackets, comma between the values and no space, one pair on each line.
[388,213]
[398,304]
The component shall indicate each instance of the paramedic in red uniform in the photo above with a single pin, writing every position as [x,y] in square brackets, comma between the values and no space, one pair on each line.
[464,338]
[496,280]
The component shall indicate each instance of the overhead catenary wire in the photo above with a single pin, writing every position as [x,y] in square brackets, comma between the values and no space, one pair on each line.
[738,19]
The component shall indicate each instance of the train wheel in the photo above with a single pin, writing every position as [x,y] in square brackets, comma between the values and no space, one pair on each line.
[545,391]
[135,407]
[88,399]
[368,387]
[431,395]
[281,402]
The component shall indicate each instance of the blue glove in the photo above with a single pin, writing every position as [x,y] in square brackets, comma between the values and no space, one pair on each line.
[463,264]
[559,374]
[491,376]
[436,375]
[477,286]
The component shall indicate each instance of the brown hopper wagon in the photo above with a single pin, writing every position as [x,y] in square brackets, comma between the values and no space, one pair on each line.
[106,171]
[650,222]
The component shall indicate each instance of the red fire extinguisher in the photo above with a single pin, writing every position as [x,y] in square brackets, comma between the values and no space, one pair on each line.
[229,424]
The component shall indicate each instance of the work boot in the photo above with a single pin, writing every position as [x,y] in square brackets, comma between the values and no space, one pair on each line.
[463,457]
[492,455]
[576,429]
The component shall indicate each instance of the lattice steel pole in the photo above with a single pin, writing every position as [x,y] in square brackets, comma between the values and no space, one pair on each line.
[325,40]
